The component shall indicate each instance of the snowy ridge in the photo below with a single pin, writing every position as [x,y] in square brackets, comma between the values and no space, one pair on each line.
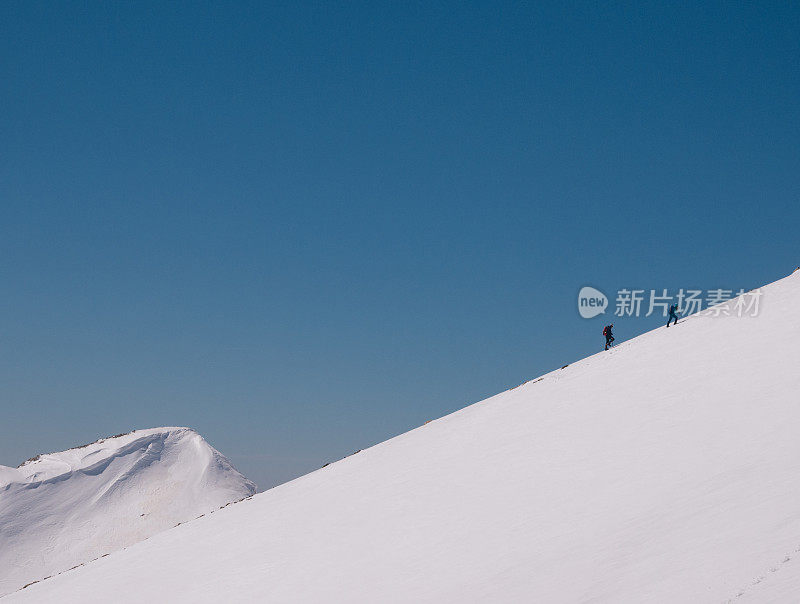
[62,509]
[664,470]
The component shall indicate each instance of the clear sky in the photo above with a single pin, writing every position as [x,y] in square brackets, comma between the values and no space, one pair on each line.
[304,228]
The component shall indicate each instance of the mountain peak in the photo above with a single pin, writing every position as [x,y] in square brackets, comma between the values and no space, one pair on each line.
[64,508]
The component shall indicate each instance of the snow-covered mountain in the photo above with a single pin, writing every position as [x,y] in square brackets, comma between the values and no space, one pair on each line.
[664,470]
[63,509]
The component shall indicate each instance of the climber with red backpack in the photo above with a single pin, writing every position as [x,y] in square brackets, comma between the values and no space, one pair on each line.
[609,336]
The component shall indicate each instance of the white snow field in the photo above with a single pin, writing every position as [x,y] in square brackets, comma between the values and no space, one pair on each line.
[664,470]
[68,508]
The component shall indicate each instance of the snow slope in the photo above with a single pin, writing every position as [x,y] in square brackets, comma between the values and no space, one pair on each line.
[664,470]
[67,508]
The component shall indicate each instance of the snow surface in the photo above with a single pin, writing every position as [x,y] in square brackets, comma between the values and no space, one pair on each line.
[68,508]
[664,470]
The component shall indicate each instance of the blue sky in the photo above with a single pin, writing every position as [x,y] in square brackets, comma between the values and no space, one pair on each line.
[304,229]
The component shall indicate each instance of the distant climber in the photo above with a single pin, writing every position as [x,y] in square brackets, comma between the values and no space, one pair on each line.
[673,314]
[609,336]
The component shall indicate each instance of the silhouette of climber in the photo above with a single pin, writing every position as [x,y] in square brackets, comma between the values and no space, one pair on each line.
[609,336]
